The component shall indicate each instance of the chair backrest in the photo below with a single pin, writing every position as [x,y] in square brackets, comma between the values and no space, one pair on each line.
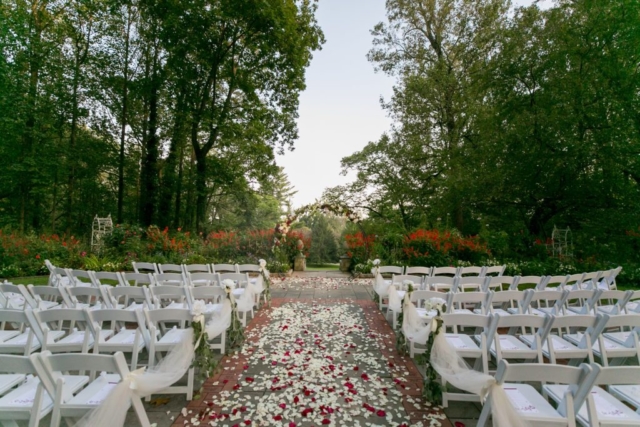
[127,293]
[471,271]
[242,279]
[136,279]
[586,298]
[145,267]
[441,282]
[497,270]
[249,268]
[418,271]
[400,279]
[462,319]
[475,283]
[56,293]
[554,281]
[224,268]
[170,268]
[163,315]
[444,271]
[591,326]
[207,293]
[17,296]
[500,282]
[527,282]
[160,293]
[418,297]
[197,268]
[79,278]
[616,375]
[621,299]
[99,276]
[458,299]
[91,296]
[555,299]
[169,279]
[391,269]
[202,279]
[96,319]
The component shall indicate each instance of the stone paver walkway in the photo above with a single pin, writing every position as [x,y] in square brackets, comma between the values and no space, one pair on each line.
[323,354]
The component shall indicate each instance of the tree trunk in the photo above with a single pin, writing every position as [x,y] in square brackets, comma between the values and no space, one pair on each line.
[150,164]
[169,175]
[123,125]
[201,189]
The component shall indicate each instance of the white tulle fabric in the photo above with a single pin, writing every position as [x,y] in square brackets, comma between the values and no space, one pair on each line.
[113,410]
[454,370]
[246,300]
[395,303]
[380,286]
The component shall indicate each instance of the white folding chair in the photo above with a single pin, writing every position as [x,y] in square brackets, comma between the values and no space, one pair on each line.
[500,283]
[510,346]
[466,347]
[129,297]
[471,283]
[13,296]
[504,302]
[608,279]
[633,306]
[248,268]
[214,297]
[441,283]
[545,302]
[402,282]
[163,338]
[418,271]
[589,280]
[530,405]
[575,346]
[170,268]
[390,269]
[50,296]
[224,268]
[196,268]
[49,327]
[625,388]
[419,298]
[121,338]
[145,267]
[582,301]
[136,279]
[73,401]
[445,271]
[471,271]
[601,408]
[621,299]
[79,278]
[52,272]
[616,349]
[90,298]
[100,278]
[526,282]
[498,270]
[170,279]
[554,283]
[24,397]
[60,277]
[468,302]
[169,296]
[202,279]
[22,339]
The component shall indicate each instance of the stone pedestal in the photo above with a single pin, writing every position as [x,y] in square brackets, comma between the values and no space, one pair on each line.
[345,263]
[300,263]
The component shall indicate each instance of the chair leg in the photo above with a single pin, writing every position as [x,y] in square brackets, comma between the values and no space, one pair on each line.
[138,407]
[190,384]
[486,411]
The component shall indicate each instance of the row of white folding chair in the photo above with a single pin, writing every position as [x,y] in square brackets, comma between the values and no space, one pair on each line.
[443,271]
[148,267]
[575,391]
[47,386]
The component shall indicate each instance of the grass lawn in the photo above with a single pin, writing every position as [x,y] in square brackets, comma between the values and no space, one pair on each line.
[31,280]
[323,267]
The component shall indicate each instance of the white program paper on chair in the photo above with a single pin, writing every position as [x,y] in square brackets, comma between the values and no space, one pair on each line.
[603,408]
[24,396]
[529,404]
[74,401]
[163,337]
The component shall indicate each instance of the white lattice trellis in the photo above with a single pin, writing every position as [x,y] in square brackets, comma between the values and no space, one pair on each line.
[562,241]
[100,228]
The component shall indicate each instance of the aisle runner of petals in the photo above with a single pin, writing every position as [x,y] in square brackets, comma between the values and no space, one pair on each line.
[318,365]
[320,283]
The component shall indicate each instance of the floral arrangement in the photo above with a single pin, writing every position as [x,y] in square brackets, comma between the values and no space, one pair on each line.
[431,387]
[203,360]
[376,271]
[235,332]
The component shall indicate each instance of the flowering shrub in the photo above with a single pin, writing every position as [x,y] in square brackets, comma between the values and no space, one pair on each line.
[359,247]
[441,248]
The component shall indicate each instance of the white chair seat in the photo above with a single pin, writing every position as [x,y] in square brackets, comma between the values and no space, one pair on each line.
[175,304]
[542,311]
[133,306]
[501,312]
[632,306]
[8,381]
[608,309]
[7,335]
[464,345]
[94,393]
[20,341]
[627,393]
[609,409]
[529,404]
[123,339]
[171,338]
[46,305]
[24,396]
[464,311]
[560,346]
[511,345]
[202,282]
[618,337]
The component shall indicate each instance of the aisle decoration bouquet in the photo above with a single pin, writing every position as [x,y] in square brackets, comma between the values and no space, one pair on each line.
[376,272]
[203,358]
[432,388]
[402,345]
[266,278]
[235,332]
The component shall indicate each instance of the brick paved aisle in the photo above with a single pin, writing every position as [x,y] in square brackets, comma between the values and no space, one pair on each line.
[323,354]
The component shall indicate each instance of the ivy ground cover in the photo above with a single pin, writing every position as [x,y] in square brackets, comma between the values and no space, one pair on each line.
[312,364]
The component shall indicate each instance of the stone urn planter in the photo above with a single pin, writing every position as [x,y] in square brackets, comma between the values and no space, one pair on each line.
[345,263]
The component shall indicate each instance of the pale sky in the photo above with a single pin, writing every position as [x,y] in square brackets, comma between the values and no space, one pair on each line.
[340,109]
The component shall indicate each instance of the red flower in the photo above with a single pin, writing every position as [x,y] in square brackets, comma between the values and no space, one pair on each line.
[381,413]
[326,421]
